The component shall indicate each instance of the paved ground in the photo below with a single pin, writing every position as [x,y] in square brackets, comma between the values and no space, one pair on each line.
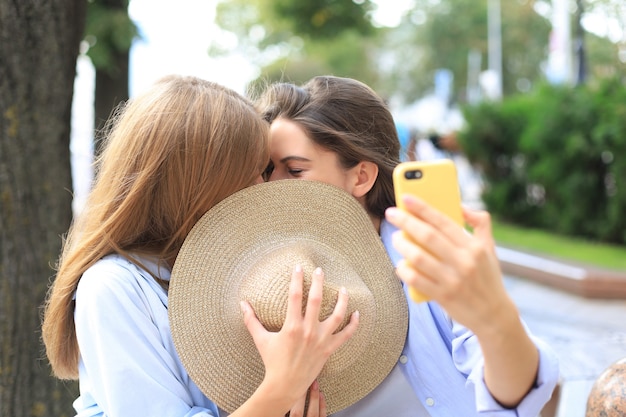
[587,335]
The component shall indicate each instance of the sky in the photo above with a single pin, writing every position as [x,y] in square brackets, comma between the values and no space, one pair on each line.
[176,36]
[175,39]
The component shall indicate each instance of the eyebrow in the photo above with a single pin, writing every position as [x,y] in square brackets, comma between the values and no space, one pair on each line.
[294,158]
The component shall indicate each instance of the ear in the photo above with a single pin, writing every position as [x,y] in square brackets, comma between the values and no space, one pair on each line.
[365,173]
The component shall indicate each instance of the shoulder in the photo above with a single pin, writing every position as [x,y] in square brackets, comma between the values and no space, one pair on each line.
[110,276]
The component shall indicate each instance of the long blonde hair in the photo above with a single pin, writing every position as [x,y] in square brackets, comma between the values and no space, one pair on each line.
[172,153]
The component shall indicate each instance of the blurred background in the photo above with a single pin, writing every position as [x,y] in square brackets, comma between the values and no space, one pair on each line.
[452,71]
[528,97]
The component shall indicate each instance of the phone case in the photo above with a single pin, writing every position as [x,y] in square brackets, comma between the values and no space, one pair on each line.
[436,183]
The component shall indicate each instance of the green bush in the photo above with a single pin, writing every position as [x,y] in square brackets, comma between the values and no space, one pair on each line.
[491,142]
[554,159]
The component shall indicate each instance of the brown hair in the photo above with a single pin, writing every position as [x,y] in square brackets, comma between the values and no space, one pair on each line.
[172,153]
[344,116]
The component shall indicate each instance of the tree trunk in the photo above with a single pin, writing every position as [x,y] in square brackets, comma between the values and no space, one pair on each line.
[111,90]
[39,44]
[111,82]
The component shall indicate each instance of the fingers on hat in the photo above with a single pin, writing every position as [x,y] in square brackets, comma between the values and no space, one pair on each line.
[250,320]
[347,332]
[314,298]
[336,318]
[316,405]
[294,305]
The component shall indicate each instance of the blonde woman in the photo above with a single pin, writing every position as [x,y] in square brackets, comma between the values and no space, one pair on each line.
[467,352]
[171,155]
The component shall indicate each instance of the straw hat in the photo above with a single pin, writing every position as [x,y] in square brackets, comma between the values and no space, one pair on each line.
[246,247]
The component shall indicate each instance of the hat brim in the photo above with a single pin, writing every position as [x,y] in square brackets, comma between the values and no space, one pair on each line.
[205,289]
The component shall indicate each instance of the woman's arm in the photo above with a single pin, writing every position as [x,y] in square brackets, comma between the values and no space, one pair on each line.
[461,272]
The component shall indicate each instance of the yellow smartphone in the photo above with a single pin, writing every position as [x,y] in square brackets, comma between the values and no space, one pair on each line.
[437,184]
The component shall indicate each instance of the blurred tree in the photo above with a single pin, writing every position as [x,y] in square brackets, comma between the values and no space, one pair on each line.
[448,30]
[109,32]
[295,40]
[345,55]
[320,19]
[602,58]
[579,44]
[397,61]
[323,18]
[39,44]
[282,39]
[605,53]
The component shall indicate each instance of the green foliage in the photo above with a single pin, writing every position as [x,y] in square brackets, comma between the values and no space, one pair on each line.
[285,70]
[602,58]
[552,159]
[449,44]
[324,19]
[568,248]
[346,55]
[491,142]
[285,35]
[296,40]
[314,20]
[449,29]
[109,31]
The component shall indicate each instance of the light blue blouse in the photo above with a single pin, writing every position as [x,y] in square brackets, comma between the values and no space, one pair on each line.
[129,366]
[128,363]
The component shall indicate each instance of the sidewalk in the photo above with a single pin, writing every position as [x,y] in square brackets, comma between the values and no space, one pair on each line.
[579,311]
[584,280]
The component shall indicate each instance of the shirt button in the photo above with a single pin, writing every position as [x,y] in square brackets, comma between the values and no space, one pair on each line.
[430,402]
[403,359]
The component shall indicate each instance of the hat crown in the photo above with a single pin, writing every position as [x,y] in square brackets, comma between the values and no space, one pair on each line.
[267,279]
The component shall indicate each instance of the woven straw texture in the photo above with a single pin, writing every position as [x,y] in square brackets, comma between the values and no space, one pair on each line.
[246,248]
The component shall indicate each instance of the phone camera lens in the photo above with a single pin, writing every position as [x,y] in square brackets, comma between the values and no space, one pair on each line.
[413,174]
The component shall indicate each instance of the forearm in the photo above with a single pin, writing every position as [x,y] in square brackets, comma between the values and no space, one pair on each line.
[267,401]
[511,359]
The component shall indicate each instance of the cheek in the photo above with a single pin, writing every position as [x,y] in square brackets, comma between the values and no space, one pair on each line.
[276,175]
[337,178]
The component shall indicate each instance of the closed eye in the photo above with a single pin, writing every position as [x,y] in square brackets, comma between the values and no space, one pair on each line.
[268,171]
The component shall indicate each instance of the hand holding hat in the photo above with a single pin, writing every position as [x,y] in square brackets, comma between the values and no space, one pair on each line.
[245,248]
[295,355]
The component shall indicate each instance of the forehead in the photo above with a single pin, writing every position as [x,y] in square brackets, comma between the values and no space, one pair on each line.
[287,128]
[288,141]
[286,133]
